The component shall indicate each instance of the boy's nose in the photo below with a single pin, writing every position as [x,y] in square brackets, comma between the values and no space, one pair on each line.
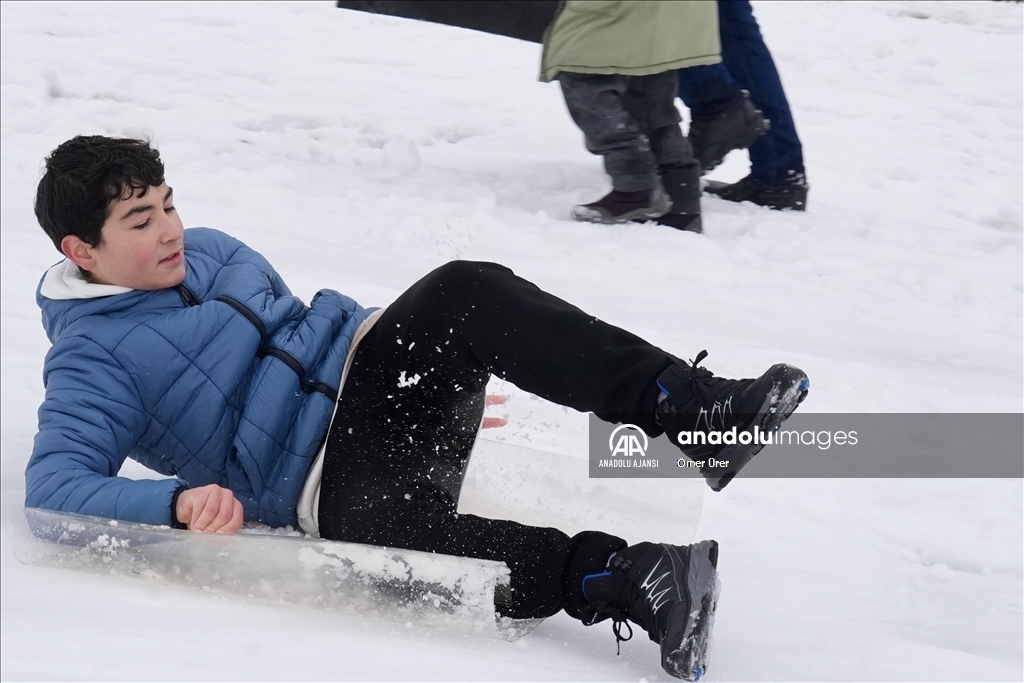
[172,230]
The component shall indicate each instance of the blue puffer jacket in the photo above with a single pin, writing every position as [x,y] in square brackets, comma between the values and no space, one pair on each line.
[226,379]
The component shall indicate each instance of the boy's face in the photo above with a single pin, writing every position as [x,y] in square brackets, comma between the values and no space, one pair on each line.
[142,245]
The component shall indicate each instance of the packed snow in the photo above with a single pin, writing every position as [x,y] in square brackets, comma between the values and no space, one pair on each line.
[358,152]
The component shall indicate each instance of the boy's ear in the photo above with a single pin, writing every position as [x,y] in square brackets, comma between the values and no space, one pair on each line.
[78,252]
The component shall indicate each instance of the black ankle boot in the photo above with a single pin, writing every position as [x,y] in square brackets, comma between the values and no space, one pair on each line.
[789,194]
[683,187]
[739,127]
[670,591]
[723,423]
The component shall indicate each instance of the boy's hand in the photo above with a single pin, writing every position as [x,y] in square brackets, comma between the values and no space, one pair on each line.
[209,508]
[492,422]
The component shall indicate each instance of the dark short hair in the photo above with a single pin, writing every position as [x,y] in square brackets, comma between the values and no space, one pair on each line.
[84,176]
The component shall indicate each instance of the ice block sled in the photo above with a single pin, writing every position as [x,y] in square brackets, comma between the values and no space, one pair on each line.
[428,590]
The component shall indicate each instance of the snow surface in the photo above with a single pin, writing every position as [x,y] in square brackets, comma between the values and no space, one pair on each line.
[358,152]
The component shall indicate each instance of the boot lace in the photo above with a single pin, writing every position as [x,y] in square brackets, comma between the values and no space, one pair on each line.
[618,622]
[698,378]
[617,615]
[699,387]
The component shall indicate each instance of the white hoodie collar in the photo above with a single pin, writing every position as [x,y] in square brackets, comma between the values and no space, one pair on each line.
[64,281]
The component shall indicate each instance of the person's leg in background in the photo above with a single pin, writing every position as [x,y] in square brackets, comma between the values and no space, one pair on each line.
[595,104]
[722,117]
[650,101]
[777,176]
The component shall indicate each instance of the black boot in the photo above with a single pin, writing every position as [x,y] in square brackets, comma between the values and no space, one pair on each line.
[699,407]
[790,194]
[683,187]
[737,128]
[670,591]
[690,222]
[622,207]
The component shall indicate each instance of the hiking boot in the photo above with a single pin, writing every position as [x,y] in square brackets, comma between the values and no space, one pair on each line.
[790,194]
[670,591]
[723,423]
[622,207]
[737,128]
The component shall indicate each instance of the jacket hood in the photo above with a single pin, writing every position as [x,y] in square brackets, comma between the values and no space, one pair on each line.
[64,296]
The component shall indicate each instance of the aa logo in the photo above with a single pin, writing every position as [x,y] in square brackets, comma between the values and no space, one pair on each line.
[628,440]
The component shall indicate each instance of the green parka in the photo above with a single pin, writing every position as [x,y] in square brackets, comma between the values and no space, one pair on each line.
[630,37]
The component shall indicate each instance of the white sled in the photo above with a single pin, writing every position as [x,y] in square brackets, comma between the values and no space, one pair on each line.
[435,591]
[428,590]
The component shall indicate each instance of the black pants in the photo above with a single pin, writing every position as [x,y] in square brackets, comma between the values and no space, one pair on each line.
[633,123]
[414,399]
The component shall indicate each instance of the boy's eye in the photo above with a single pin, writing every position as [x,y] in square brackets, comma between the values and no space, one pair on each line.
[140,226]
[169,209]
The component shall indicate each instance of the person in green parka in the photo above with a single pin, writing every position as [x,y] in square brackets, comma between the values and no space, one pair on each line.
[616,63]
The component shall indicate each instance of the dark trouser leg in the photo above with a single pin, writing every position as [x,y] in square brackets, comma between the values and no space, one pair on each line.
[467,320]
[595,104]
[708,91]
[650,100]
[778,152]
[413,400]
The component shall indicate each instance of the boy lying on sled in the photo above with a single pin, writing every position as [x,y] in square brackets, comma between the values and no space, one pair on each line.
[184,350]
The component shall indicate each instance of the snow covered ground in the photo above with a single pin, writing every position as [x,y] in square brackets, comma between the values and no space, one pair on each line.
[358,152]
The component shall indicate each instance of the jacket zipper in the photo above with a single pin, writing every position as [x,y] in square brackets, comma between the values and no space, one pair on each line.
[309,387]
[296,367]
[246,313]
[186,295]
